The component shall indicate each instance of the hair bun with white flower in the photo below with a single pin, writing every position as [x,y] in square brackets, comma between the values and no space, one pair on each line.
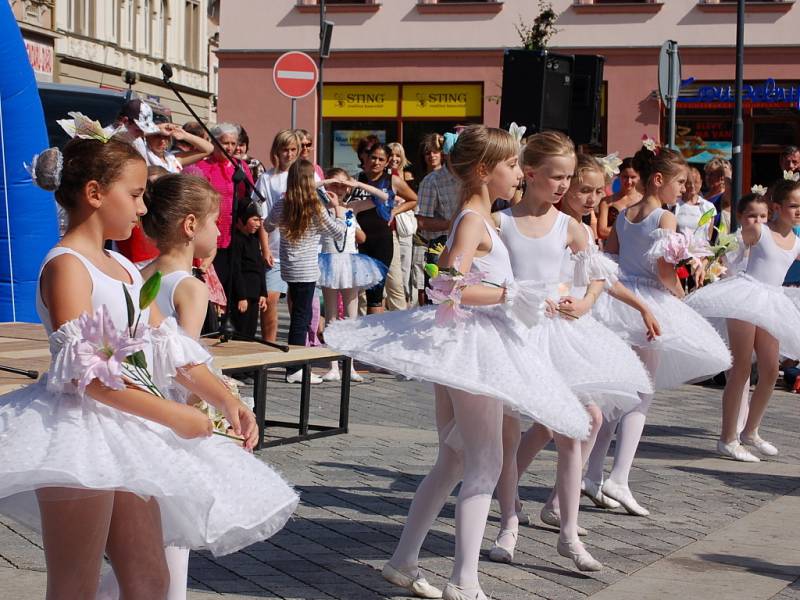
[611,164]
[758,190]
[517,131]
[81,126]
[45,169]
[649,144]
[791,176]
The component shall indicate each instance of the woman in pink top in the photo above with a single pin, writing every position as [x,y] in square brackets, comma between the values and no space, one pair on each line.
[219,173]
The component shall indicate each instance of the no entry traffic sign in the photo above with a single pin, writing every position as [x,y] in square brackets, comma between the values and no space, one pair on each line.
[295,74]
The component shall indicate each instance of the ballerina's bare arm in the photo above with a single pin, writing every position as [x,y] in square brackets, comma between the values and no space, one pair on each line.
[469,237]
[199,379]
[66,289]
[578,241]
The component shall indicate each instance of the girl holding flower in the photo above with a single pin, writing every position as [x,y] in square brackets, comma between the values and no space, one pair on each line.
[688,349]
[472,345]
[766,324]
[95,462]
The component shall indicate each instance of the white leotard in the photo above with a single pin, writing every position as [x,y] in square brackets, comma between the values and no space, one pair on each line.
[768,262]
[166,293]
[496,264]
[634,242]
[538,259]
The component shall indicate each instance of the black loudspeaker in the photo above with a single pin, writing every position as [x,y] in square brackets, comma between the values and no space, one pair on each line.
[587,82]
[537,90]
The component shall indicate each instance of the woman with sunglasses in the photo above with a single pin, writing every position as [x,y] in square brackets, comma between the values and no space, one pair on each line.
[376,221]
[306,147]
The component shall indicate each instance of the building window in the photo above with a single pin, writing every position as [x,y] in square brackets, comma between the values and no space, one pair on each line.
[192,35]
[128,23]
[309,6]
[147,20]
[79,16]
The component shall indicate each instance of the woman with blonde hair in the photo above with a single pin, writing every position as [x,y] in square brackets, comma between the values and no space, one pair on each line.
[272,185]
[403,232]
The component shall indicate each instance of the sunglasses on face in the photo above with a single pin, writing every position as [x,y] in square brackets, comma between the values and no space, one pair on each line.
[307,144]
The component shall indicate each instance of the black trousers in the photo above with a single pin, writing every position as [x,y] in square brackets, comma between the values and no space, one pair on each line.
[302,297]
[245,322]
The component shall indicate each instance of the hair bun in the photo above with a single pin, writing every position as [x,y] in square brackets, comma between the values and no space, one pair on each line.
[643,162]
[46,168]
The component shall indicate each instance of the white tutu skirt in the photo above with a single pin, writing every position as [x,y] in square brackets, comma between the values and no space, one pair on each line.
[596,364]
[769,307]
[212,494]
[344,270]
[483,355]
[689,349]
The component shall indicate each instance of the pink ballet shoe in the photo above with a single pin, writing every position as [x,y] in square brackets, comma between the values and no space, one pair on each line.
[454,592]
[579,555]
[593,491]
[504,553]
[553,519]
[623,495]
[416,584]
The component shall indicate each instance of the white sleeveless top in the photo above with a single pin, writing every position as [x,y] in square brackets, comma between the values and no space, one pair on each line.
[166,293]
[768,262]
[539,259]
[105,289]
[496,264]
[634,242]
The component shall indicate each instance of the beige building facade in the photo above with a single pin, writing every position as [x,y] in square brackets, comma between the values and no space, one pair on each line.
[93,42]
[387,54]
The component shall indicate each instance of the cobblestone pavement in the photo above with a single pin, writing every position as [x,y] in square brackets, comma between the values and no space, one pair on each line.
[356,490]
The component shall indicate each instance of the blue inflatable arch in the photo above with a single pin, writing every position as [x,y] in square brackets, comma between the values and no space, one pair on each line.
[28,226]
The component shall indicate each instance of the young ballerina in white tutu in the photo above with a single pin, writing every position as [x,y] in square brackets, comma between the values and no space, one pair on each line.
[551,249]
[688,347]
[480,360]
[343,271]
[765,324]
[123,472]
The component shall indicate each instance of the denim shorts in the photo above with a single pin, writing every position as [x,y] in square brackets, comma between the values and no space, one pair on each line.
[274,281]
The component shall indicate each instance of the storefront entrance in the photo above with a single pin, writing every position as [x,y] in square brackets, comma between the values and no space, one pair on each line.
[393,113]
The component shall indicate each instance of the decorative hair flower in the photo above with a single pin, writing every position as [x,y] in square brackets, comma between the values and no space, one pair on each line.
[517,131]
[83,127]
[611,164]
[649,143]
[758,190]
[791,176]
[449,141]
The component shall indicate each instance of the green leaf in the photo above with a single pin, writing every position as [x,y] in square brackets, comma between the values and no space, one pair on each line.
[722,229]
[149,290]
[707,216]
[137,359]
[128,305]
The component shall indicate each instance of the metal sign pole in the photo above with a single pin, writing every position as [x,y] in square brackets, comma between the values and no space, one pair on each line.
[294,113]
[674,77]
[738,123]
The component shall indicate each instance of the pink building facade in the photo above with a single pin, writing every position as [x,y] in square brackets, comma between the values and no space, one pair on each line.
[400,68]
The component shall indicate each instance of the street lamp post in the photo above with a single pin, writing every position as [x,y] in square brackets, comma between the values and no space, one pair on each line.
[738,123]
[319,81]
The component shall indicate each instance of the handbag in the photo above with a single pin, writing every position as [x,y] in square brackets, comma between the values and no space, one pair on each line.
[405,223]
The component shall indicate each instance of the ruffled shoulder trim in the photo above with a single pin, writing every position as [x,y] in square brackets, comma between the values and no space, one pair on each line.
[173,349]
[65,366]
[592,265]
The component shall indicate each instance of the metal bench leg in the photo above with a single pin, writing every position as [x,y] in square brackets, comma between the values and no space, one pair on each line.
[260,400]
[344,400]
[305,399]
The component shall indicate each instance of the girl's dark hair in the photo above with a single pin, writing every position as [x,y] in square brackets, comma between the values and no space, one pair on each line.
[748,199]
[243,137]
[666,161]
[380,146]
[782,189]
[334,171]
[169,200]
[627,163]
[300,203]
[246,209]
[82,161]
[366,143]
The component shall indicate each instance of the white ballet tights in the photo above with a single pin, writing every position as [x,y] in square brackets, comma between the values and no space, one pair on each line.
[470,450]
[631,426]
[178,565]
[350,301]
[744,407]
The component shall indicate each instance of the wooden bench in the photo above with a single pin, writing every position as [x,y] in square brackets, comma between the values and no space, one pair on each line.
[24,346]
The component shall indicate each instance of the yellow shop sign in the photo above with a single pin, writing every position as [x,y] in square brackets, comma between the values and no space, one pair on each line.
[360,100]
[464,100]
